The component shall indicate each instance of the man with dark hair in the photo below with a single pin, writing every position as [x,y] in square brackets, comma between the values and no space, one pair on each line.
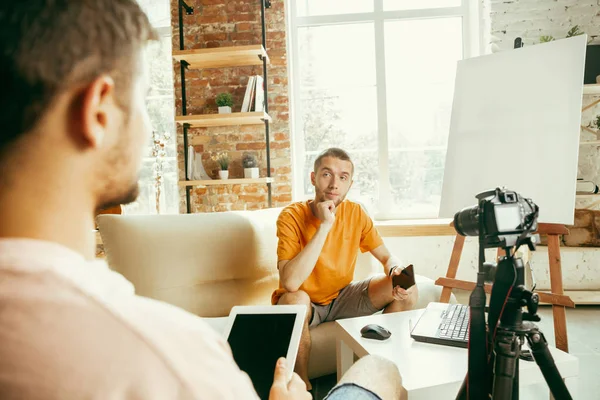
[318,245]
[73,129]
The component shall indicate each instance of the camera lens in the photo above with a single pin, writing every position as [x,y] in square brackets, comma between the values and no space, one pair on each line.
[466,221]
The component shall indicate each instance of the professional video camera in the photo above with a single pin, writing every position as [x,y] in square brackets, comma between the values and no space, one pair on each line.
[505,216]
[503,219]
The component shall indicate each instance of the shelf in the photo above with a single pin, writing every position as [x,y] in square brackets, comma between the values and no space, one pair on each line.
[220,57]
[591,89]
[588,196]
[247,118]
[590,143]
[213,182]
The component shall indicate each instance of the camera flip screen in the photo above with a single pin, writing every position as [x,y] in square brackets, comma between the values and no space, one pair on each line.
[508,217]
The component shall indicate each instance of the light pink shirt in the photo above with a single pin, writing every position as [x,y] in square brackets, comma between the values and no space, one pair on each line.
[74,329]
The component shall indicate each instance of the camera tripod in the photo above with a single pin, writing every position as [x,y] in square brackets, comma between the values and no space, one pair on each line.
[496,373]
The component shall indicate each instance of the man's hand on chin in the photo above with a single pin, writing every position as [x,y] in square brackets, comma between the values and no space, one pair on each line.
[325,211]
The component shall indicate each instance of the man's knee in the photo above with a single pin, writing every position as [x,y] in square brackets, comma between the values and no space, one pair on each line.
[408,303]
[387,383]
[297,297]
[380,364]
[413,298]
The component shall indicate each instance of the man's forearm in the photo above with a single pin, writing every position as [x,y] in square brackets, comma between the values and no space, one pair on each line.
[387,260]
[297,270]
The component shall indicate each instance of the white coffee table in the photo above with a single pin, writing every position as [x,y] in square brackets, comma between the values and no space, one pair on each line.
[431,371]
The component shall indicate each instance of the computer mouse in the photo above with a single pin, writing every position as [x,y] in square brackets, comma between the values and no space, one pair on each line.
[374,331]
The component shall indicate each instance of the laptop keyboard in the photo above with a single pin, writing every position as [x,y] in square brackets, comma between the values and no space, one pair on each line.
[455,324]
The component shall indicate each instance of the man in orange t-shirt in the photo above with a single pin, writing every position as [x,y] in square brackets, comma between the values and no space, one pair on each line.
[318,245]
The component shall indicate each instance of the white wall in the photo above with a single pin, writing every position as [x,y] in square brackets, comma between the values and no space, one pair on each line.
[530,19]
[431,255]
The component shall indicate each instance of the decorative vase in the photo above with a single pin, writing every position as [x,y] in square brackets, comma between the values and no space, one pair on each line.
[225,110]
[223,174]
[251,173]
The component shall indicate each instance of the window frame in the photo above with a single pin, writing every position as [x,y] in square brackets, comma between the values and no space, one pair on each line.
[164,32]
[469,11]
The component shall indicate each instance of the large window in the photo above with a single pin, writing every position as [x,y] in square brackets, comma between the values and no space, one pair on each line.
[160,103]
[376,78]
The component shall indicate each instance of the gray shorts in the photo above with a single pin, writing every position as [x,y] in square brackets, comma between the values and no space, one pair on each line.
[353,301]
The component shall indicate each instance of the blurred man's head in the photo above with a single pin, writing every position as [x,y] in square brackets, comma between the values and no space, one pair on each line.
[73,100]
[332,175]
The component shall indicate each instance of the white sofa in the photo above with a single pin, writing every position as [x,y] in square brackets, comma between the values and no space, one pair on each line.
[207,263]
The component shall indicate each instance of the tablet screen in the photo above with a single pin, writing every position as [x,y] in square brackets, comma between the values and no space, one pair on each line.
[257,341]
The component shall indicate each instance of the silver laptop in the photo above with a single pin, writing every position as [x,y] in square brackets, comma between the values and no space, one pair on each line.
[442,323]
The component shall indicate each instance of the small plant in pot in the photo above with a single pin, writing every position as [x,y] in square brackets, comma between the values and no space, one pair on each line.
[224,102]
[250,163]
[223,160]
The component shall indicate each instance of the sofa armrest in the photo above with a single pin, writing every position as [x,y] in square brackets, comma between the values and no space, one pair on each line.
[429,292]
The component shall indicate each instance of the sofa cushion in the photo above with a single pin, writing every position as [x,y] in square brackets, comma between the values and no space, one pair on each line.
[204,263]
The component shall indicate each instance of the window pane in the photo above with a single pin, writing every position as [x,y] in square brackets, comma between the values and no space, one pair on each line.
[308,8]
[162,117]
[420,72]
[339,55]
[161,110]
[336,118]
[158,55]
[416,181]
[396,5]
[339,101]
[158,11]
[169,193]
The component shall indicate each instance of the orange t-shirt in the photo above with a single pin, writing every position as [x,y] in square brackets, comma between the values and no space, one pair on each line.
[352,229]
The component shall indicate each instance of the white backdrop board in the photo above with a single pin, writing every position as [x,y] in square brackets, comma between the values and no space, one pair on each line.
[516,122]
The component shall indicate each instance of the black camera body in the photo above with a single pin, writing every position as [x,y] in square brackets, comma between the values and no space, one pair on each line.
[503,216]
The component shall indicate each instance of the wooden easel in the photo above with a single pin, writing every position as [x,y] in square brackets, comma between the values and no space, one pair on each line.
[558,300]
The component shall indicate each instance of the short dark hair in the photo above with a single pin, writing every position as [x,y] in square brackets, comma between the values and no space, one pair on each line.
[48,46]
[335,153]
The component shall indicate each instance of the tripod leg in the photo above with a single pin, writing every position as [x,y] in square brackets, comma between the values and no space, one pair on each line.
[543,358]
[506,369]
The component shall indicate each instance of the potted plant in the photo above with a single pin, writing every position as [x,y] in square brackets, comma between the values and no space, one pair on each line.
[223,160]
[250,164]
[224,102]
[597,122]
[574,31]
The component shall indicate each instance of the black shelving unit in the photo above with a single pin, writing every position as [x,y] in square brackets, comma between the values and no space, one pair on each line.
[246,57]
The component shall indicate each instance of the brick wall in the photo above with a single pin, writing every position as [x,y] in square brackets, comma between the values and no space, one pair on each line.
[220,23]
[530,19]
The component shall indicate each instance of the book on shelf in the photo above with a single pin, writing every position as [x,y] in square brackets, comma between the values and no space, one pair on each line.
[254,98]
[196,169]
[586,187]
[249,89]
[259,100]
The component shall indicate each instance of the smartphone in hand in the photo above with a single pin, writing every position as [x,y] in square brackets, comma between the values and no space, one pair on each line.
[406,278]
